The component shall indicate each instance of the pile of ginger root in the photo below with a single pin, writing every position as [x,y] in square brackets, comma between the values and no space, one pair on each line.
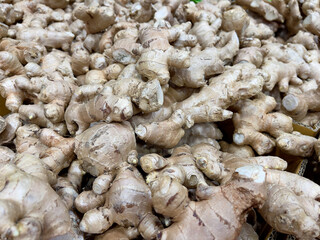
[158,119]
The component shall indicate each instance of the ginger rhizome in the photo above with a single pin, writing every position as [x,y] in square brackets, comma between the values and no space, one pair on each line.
[246,189]
[43,216]
[128,203]
[180,166]
[241,81]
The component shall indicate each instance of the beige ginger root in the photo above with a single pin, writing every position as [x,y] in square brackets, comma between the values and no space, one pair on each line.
[128,204]
[157,54]
[180,166]
[43,216]
[206,63]
[293,205]
[246,189]
[219,166]
[238,82]
[97,15]
[253,118]
[91,103]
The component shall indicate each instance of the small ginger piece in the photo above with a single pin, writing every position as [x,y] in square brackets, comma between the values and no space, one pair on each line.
[10,64]
[12,123]
[208,218]
[119,233]
[219,166]
[80,59]
[128,204]
[253,118]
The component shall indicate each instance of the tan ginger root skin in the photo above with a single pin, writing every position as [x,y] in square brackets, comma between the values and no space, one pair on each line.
[128,204]
[210,215]
[30,208]
[206,63]
[96,16]
[98,149]
[293,205]
[253,118]
[238,82]
[219,166]
[181,166]
[91,103]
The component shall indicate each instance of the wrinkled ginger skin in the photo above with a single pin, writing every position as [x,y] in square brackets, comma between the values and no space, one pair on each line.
[100,151]
[212,220]
[128,204]
[43,216]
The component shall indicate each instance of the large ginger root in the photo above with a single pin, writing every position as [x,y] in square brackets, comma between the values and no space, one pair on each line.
[219,166]
[35,114]
[97,15]
[206,63]
[292,206]
[42,216]
[91,103]
[128,204]
[253,118]
[246,189]
[155,44]
[241,81]
[180,166]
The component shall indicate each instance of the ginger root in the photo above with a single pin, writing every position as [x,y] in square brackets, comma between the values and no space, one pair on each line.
[246,189]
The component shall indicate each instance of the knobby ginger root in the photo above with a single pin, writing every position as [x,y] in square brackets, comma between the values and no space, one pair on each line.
[180,166]
[97,15]
[43,216]
[293,205]
[206,63]
[238,82]
[128,204]
[253,118]
[219,166]
[104,105]
[246,189]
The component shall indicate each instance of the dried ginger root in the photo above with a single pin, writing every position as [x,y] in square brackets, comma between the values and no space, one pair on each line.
[209,105]
[128,204]
[170,198]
